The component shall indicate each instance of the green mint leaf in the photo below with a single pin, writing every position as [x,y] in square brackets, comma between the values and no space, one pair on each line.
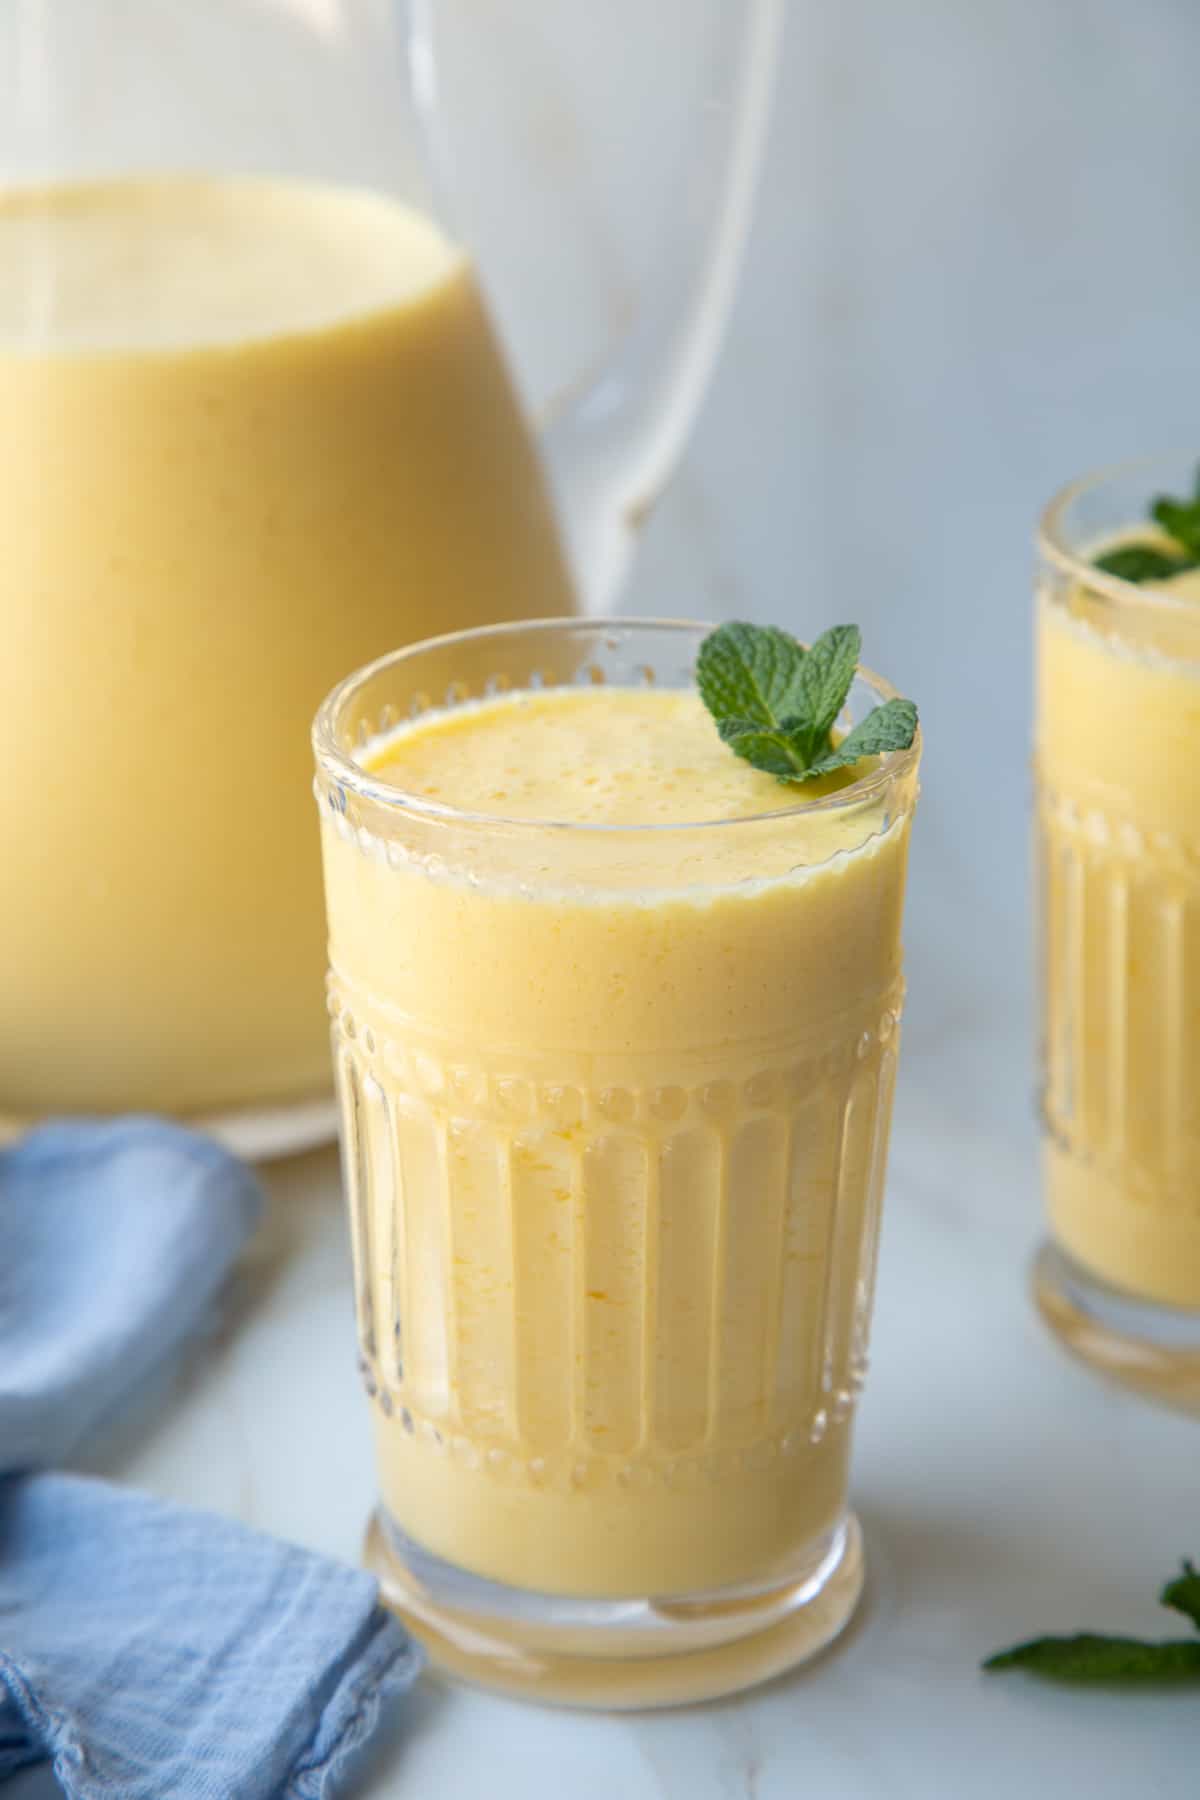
[1091,1657]
[892,726]
[773,751]
[775,703]
[750,672]
[825,678]
[1183,1594]
[1180,519]
[1142,562]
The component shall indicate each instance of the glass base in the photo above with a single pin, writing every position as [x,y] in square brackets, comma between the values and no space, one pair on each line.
[623,1655]
[1153,1348]
[255,1133]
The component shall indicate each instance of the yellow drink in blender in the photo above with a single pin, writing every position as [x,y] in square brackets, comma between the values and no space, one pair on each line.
[252,433]
[616,1095]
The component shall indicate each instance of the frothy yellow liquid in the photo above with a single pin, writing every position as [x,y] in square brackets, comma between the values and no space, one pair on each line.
[616,1108]
[1119,768]
[252,434]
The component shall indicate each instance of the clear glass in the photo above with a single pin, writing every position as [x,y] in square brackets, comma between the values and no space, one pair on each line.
[1118,808]
[615,1106]
[286,291]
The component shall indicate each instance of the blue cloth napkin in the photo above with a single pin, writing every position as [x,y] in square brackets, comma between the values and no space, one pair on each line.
[147,1649]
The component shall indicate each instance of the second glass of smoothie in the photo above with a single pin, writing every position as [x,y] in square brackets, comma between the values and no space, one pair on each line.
[1118,765]
[615,1027]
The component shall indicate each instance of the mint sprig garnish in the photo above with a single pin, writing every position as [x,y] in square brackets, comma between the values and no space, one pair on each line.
[1092,1656]
[1183,1594]
[1137,562]
[1141,562]
[776,703]
[1180,519]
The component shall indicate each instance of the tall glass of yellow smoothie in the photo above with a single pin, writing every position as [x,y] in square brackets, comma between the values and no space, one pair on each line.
[615,1023]
[1118,786]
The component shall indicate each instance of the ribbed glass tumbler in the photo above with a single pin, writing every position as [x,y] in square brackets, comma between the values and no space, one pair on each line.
[615,1107]
[1118,783]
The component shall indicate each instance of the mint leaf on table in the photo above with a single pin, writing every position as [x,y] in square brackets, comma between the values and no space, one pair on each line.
[1180,519]
[1093,1656]
[775,702]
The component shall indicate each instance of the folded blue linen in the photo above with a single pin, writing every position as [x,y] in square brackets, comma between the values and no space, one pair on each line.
[147,1649]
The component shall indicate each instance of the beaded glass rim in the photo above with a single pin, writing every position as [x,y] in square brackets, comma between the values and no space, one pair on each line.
[342,768]
[1052,541]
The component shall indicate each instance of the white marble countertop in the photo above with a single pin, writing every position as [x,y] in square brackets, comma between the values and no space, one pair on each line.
[1002,1488]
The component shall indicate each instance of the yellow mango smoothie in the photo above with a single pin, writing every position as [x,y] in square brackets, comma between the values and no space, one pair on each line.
[616,1025]
[251,434]
[1118,756]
